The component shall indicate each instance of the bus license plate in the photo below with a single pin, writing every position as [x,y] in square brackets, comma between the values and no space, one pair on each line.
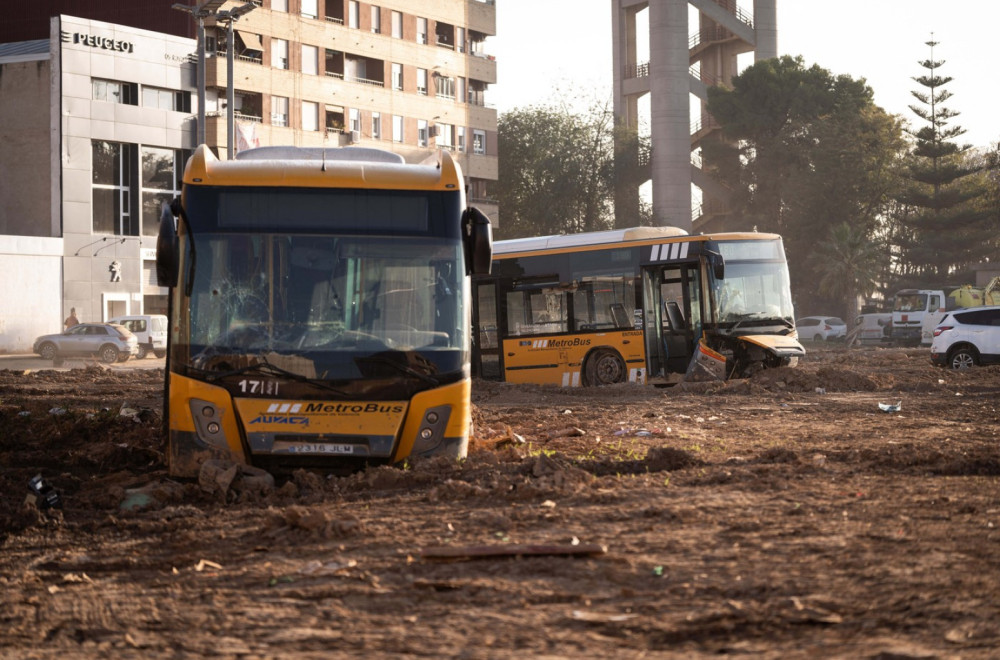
[313,448]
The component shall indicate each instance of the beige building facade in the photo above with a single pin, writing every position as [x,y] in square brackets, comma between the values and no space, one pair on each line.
[408,77]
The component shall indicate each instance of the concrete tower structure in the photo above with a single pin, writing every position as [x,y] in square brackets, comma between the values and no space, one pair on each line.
[683,60]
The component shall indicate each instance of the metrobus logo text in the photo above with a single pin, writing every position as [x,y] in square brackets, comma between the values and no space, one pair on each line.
[560,343]
[353,408]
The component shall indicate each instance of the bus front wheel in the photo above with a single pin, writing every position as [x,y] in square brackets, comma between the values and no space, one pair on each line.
[605,367]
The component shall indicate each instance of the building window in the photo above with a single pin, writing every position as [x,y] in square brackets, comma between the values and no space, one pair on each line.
[248,106]
[353,14]
[310,60]
[397,128]
[397,76]
[376,126]
[460,89]
[460,38]
[422,81]
[445,87]
[460,138]
[279,111]
[421,30]
[113,175]
[444,134]
[279,53]
[376,19]
[162,170]
[334,119]
[397,24]
[421,132]
[113,91]
[310,116]
[478,142]
[166,99]
[279,5]
[310,8]
[354,117]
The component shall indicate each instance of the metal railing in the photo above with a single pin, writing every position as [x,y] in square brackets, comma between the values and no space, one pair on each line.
[718,32]
[710,80]
[364,81]
[251,118]
[255,59]
[334,19]
[699,125]
[638,70]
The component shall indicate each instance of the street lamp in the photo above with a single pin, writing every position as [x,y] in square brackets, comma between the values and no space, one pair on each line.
[230,16]
[210,9]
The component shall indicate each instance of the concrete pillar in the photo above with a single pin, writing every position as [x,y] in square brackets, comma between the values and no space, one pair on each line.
[670,122]
[765,20]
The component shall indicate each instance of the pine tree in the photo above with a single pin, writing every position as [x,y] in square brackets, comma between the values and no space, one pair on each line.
[948,226]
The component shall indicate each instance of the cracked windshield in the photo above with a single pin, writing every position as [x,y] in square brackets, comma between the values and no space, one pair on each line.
[755,285]
[339,308]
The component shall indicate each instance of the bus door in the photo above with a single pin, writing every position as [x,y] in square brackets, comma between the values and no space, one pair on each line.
[671,303]
[485,340]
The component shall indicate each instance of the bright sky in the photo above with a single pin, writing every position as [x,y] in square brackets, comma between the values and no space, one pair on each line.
[550,51]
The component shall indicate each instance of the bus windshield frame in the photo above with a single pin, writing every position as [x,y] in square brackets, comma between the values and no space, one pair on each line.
[755,289]
[360,290]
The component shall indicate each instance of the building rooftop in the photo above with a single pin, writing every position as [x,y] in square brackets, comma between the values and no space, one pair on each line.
[24,50]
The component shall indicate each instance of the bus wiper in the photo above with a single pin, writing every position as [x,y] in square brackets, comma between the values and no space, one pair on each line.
[406,369]
[266,367]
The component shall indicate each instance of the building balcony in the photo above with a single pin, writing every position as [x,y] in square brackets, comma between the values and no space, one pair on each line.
[482,16]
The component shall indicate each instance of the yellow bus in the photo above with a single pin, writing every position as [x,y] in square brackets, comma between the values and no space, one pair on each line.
[632,305]
[319,308]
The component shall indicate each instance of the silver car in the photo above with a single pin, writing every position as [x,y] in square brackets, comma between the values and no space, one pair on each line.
[109,342]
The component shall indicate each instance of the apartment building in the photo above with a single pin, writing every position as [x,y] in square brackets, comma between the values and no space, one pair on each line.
[409,77]
[99,118]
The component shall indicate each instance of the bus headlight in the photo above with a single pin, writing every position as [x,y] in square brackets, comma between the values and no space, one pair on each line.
[208,421]
[432,429]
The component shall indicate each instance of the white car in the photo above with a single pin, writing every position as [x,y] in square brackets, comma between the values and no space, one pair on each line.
[967,337]
[149,329]
[821,328]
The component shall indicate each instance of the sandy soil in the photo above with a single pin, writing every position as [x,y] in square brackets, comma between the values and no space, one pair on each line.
[787,516]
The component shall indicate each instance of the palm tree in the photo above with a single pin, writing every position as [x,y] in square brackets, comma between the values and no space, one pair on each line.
[849,265]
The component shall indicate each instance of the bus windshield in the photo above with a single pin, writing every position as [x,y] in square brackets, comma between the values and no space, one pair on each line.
[337,308]
[756,285]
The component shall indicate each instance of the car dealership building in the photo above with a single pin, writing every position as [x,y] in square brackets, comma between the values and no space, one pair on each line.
[96,122]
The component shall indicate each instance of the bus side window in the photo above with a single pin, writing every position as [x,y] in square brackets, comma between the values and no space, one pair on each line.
[536,312]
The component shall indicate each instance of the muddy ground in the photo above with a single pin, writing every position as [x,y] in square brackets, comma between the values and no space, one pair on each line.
[787,516]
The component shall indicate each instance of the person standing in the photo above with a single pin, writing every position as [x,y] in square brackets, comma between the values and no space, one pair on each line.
[71,320]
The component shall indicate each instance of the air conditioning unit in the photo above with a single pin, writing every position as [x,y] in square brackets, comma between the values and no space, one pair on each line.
[355,137]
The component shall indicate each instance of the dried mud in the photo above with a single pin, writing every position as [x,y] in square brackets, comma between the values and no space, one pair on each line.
[782,516]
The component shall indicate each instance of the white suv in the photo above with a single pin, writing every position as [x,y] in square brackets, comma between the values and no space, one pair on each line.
[821,328]
[967,337]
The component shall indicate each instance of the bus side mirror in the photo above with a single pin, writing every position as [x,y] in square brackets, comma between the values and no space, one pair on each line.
[718,264]
[167,249]
[477,239]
